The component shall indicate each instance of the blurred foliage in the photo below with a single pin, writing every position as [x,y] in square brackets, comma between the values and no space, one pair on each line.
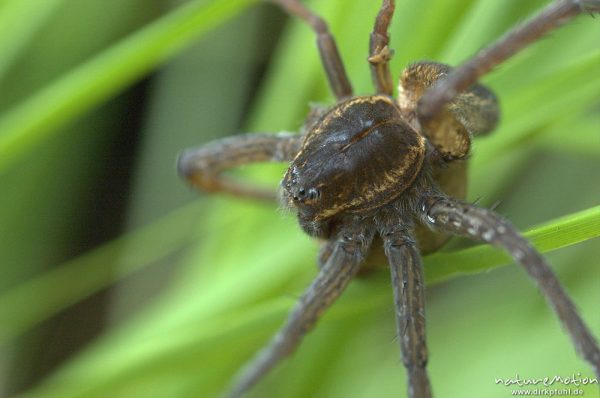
[202,286]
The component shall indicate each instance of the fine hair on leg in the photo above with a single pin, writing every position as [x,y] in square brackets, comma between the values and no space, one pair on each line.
[409,298]
[464,219]
[462,77]
[330,56]
[203,166]
[379,52]
[332,279]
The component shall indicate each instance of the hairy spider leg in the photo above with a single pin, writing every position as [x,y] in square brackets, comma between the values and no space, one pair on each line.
[203,166]
[460,218]
[330,56]
[472,112]
[553,16]
[409,298]
[341,267]
[379,52]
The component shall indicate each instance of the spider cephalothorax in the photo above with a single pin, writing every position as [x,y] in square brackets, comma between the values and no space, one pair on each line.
[374,170]
[359,156]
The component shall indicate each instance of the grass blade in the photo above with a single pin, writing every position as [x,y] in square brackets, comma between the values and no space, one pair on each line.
[107,74]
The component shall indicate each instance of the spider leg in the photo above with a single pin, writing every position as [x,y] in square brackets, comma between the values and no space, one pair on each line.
[202,166]
[332,279]
[460,218]
[379,52]
[554,15]
[324,253]
[409,298]
[330,56]
[472,112]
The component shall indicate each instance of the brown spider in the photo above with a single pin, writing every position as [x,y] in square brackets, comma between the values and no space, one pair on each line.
[374,168]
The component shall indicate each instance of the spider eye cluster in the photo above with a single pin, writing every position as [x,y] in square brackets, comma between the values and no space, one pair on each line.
[298,192]
[303,195]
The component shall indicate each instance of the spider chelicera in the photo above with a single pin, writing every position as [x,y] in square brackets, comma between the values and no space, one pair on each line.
[390,171]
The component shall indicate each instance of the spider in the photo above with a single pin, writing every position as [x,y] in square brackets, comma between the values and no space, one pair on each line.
[373,171]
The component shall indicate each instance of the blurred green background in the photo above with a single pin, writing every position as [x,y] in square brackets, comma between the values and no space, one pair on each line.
[116,280]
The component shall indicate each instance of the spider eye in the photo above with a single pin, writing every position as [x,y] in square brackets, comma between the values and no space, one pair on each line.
[302,194]
[299,195]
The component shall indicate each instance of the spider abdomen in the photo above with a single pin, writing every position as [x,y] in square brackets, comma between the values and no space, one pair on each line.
[359,156]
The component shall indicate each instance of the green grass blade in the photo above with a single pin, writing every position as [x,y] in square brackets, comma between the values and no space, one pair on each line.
[105,75]
[85,275]
[21,308]
[588,139]
[208,343]
[19,20]
[556,234]
[553,101]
